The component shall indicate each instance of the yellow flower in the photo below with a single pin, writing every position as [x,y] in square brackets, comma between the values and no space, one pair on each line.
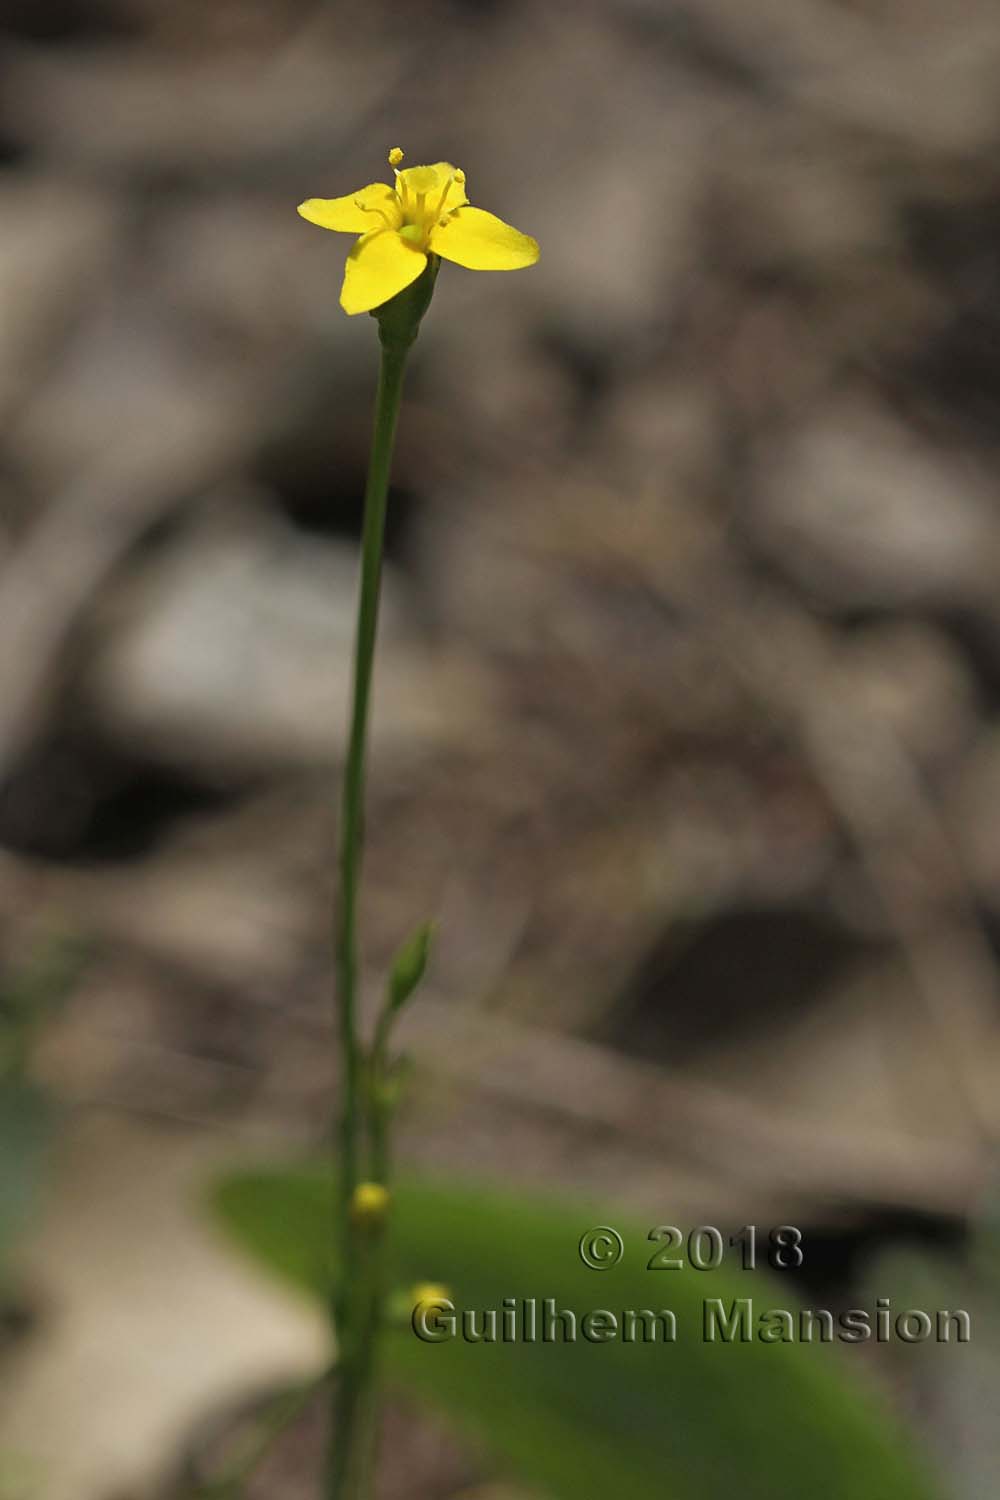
[425,213]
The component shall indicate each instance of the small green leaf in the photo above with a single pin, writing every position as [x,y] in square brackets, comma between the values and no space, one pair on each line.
[408,967]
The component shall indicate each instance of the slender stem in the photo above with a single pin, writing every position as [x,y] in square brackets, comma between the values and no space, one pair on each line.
[352,797]
[351,1310]
[379,1107]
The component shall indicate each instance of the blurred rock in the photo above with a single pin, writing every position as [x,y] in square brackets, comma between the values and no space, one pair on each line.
[152,1318]
[58,239]
[918,685]
[125,109]
[863,514]
[974,805]
[233,651]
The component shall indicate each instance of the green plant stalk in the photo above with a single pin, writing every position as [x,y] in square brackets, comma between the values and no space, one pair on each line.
[356,1306]
[350,1303]
[379,1104]
[352,797]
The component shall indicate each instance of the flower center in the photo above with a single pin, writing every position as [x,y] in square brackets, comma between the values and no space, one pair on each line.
[422,198]
[421,195]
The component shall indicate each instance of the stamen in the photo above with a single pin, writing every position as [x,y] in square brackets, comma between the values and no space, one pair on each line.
[459,177]
[422,209]
[367,208]
[440,203]
[395,157]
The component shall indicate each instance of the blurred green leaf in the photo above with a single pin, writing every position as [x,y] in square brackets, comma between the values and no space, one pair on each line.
[286,1221]
[26,1123]
[28,997]
[21,1478]
[589,1421]
[31,994]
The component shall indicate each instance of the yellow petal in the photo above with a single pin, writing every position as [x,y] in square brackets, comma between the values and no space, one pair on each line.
[379,265]
[433,181]
[372,207]
[483,242]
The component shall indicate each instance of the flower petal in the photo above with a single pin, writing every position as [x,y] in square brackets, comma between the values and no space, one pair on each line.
[380,265]
[373,207]
[481,241]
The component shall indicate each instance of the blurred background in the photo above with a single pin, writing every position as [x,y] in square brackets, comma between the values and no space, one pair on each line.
[687,717]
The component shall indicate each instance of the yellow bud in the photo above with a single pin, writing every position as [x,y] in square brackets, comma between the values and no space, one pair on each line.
[369,1202]
[429,1292]
[395,156]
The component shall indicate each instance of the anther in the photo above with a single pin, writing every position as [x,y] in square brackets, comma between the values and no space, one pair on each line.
[395,156]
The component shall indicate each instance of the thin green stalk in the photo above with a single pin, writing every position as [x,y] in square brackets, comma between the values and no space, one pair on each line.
[352,799]
[351,1310]
[379,1108]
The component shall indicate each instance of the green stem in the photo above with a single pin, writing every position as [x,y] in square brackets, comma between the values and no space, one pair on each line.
[352,1315]
[379,1108]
